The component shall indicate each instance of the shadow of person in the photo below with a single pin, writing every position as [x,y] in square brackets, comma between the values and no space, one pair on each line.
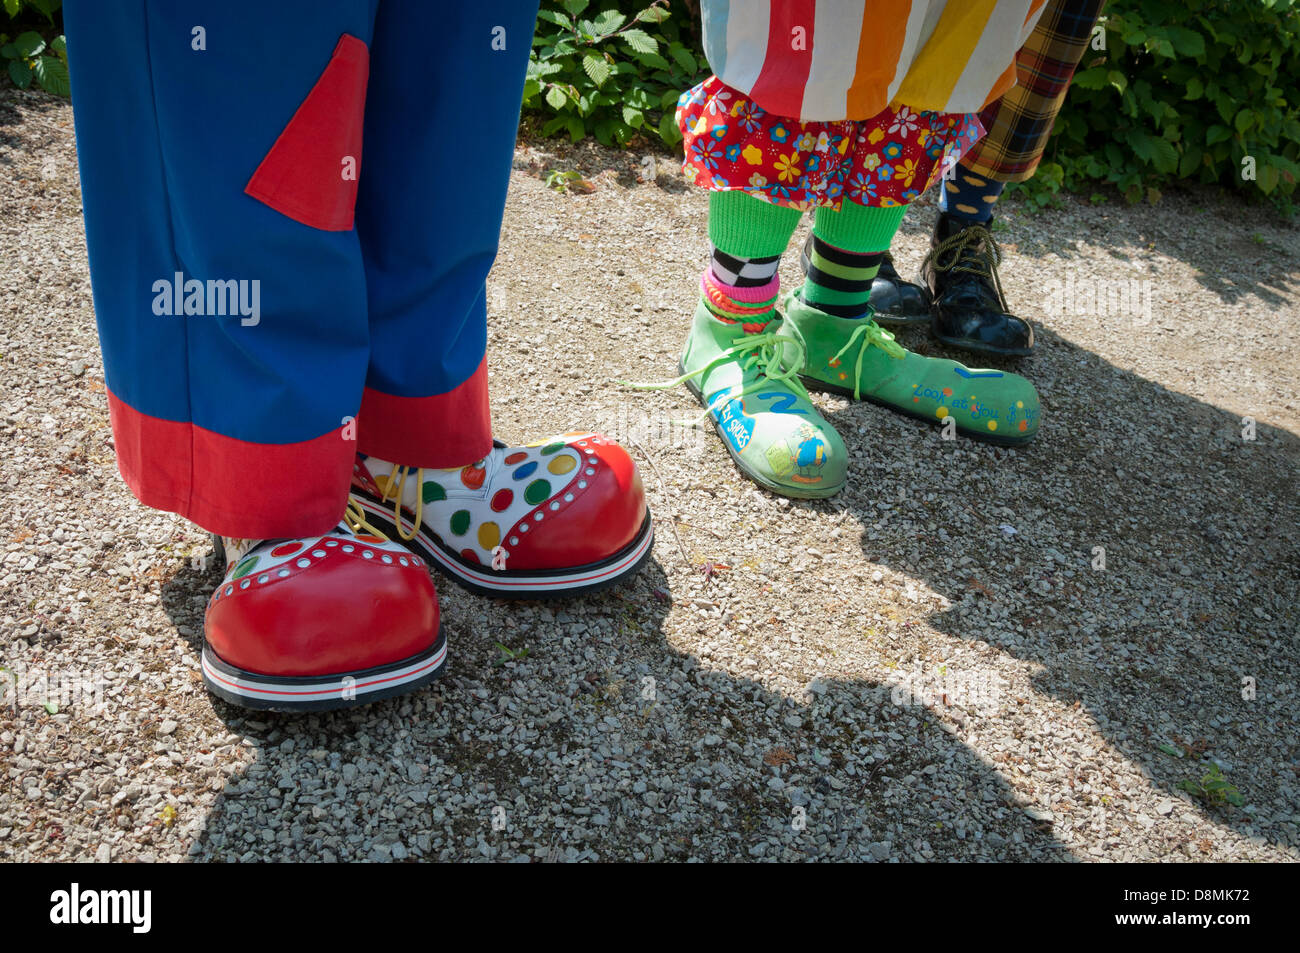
[577,730]
[1141,554]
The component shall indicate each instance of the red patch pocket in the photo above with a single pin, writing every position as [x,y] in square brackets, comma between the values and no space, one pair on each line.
[311,172]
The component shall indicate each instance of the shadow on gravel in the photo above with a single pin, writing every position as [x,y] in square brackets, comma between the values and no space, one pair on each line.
[1183,647]
[623,711]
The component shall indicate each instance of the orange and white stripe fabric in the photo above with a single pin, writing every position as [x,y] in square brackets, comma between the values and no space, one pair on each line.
[849,59]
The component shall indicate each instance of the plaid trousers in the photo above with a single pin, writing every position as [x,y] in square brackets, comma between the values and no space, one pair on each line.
[1020,122]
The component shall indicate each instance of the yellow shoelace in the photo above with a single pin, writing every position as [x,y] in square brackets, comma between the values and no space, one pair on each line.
[400,481]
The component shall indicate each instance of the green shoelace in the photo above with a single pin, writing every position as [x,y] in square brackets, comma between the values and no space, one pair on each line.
[867,334]
[763,351]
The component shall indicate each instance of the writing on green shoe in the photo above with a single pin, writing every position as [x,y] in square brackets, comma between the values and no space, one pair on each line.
[737,424]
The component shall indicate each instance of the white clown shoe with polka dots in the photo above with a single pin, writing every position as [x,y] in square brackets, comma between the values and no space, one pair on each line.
[556,517]
[321,622]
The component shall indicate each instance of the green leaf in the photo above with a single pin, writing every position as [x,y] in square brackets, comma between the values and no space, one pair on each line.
[20,73]
[1186,42]
[597,67]
[608,21]
[1170,749]
[11,7]
[553,16]
[654,15]
[1268,179]
[1244,120]
[29,44]
[52,74]
[52,708]
[684,58]
[633,117]
[640,40]
[1095,78]
[1195,88]
[1118,80]
[653,60]
[1217,133]
[556,98]
[668,130]
[60,46]
[575,6]
[576,129]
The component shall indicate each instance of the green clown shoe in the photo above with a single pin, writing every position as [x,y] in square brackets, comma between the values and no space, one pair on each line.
[859,359]
[761,412]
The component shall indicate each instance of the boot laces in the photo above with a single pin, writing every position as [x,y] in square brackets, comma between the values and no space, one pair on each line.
[971,251]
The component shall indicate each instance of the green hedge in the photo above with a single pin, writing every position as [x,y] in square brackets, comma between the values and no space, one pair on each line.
[31,45]
[1184,90]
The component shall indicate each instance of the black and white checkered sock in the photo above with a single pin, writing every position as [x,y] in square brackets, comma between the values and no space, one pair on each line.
[743,272]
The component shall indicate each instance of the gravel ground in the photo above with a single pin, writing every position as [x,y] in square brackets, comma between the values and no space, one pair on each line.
[930,666]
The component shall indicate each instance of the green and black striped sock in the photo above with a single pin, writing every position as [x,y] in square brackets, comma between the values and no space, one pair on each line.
[847,248]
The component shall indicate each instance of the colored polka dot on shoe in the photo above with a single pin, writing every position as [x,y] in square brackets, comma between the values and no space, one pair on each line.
[502,499]
[286,549]
[489,534]
[245,567]
[561,465]
[469,555]
[516,457]
[460,522]
[525,471]
[550,448]
[537,491]
[472,477]
[432,492]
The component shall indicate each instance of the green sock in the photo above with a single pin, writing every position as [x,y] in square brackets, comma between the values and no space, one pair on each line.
[846,251]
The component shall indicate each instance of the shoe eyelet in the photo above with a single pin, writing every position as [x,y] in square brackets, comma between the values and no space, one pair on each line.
[523,528]
[514,540]
[367,554]
[303,563]
[230,590]
[245,584]
[554,507]
[318,553]
[582,484]
[282,573]
[590,472]
[387,558]
[332,543]
[349,548]
[538,515]
[263,579]
[568,498]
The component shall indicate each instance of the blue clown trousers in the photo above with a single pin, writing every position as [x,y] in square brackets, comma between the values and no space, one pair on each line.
[291,210]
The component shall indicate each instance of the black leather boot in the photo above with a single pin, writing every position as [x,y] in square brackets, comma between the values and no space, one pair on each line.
[896,303]
[969,310]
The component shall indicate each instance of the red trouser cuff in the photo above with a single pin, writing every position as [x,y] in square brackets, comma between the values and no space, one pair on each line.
[446,430]
[233,487]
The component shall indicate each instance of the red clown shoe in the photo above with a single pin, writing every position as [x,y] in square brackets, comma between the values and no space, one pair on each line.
[555,518]
[322,622]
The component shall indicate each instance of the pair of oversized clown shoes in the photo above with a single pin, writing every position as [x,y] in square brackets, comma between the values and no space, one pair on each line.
[754,381]
[351,616]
